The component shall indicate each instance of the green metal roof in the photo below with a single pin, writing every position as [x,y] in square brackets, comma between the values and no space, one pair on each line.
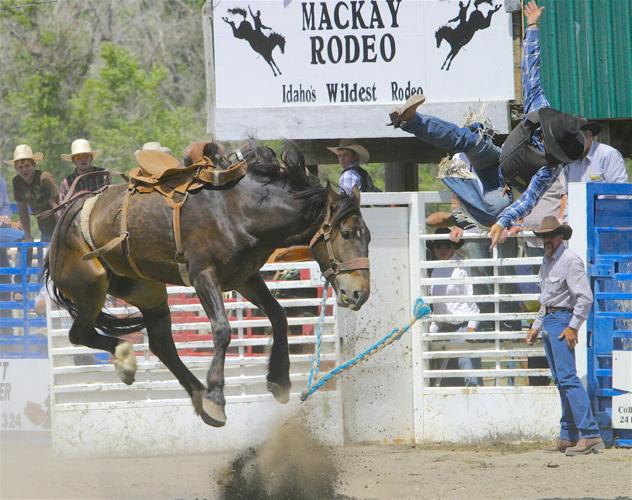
[587,56]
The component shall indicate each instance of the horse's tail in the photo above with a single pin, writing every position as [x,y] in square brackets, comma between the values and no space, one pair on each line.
[107,323]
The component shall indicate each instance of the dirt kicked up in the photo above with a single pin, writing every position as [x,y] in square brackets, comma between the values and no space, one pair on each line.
[481,471]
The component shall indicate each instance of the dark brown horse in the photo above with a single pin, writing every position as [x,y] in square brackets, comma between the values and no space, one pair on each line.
[228,233]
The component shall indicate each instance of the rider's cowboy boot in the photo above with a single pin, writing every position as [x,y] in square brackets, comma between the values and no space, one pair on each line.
[406,111]
[585,446]
[559,445]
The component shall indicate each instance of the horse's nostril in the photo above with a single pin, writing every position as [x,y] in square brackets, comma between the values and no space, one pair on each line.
[356,295]
[343,292]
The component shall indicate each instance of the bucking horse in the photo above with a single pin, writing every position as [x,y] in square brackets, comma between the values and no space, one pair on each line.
[225,235]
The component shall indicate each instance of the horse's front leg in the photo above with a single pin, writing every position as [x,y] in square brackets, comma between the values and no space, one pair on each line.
[209,292]
[256,291]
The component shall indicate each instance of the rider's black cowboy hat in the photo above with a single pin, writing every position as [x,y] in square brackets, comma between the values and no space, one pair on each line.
[550,226]
[443,230]
[563,138]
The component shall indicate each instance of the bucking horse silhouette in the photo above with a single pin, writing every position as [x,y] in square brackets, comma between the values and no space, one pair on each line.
[461,35]
[259,42]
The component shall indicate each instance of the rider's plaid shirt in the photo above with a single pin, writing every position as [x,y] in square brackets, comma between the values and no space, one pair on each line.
[533,98]
[91,182]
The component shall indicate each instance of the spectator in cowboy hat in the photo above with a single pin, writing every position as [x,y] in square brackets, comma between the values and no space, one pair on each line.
[87,176]
[599,162]
[350,154]
[565,303]
[153,146]
[34,190]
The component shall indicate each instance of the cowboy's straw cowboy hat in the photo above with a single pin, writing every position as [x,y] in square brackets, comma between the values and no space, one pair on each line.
[550,226]
[361,151]
[24,152]
[79,147]
[155,146]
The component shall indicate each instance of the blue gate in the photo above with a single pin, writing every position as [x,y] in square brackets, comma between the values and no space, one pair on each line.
[610,323]
[19,337]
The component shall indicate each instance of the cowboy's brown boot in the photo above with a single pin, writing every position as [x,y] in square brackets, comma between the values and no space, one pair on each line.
[585,446]
[559,445]
[407,110]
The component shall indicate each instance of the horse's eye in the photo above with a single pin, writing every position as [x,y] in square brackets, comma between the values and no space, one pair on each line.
[346,234]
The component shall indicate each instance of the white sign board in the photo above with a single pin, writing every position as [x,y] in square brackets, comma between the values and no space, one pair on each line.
[622,370]
[24,395]
[332,57]
[622,411]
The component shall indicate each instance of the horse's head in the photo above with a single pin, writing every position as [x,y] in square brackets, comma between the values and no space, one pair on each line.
[341,248]
[279,40]
[439,35]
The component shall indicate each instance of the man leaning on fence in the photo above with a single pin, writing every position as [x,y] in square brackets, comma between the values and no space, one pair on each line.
[565,300]
[33,189]
[86,176]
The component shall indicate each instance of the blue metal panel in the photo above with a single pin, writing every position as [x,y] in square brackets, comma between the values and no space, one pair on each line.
[24,343]
[610,322]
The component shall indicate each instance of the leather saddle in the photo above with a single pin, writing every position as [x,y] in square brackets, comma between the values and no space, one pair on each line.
[159,171]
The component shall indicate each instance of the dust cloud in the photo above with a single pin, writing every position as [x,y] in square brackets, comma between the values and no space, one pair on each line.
[290,464]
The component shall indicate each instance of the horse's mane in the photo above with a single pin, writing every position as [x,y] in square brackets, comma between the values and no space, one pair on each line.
[237,10]
[275,35]
[306,188]
[262,161]
[443,29]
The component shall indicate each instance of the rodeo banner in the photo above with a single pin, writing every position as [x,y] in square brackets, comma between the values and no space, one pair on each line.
[274,53]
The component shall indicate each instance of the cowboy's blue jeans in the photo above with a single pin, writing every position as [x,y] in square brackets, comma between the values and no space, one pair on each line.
[577,419]
[483,204]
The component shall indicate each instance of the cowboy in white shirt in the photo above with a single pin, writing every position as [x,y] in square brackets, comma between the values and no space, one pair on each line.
[599,163]
[446,250]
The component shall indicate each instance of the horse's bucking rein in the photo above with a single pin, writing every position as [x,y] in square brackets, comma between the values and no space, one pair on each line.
[160,172]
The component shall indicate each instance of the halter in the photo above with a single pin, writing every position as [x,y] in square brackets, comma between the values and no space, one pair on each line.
[335,266]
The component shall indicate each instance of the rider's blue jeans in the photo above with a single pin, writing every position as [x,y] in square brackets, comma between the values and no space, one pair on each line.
[577,419]
[483,204]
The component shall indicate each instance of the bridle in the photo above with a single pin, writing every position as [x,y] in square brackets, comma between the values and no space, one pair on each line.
[335,266]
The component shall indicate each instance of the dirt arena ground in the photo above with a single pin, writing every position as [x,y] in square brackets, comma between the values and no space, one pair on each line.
[376,472]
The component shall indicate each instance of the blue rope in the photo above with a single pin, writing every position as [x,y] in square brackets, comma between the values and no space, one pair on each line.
[420,310]
[315,363]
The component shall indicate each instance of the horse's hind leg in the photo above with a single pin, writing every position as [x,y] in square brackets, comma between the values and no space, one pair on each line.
[256,291]
[151,300]
[270,63]
[84,284]
[83,332]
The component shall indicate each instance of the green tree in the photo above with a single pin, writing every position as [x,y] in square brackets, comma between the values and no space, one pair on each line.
[122,107]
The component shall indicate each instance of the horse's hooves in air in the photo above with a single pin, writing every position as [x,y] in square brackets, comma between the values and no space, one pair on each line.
[125,362]
[281,393]
[213,413]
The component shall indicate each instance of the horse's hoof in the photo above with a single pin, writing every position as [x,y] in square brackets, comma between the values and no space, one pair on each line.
[281,393]
[125,362]
[213,413]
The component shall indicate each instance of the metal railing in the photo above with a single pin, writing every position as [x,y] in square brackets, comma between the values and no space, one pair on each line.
[22,331]
[79,379]
[497,344]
